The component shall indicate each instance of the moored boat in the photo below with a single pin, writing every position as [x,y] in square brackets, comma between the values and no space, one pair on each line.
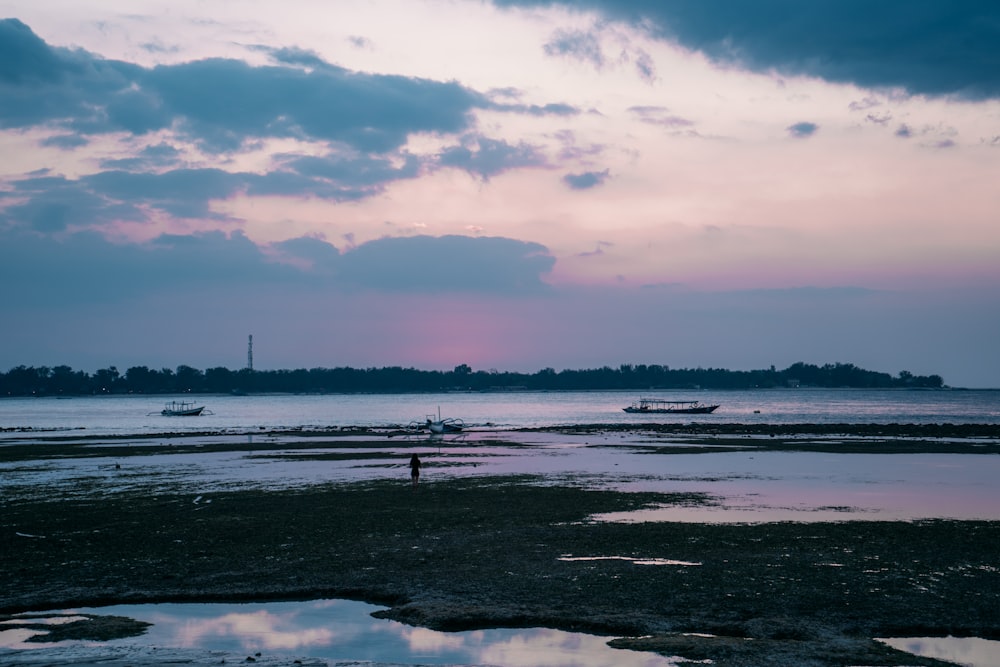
[446,425]
[657,406]
[181,409]
[437,424]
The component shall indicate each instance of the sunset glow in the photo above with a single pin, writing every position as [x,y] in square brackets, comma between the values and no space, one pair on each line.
[511,184]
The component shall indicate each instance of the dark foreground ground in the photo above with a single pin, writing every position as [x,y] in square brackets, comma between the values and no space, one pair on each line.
[485,552]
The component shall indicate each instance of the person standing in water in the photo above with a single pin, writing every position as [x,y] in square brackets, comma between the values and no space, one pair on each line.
[414,470]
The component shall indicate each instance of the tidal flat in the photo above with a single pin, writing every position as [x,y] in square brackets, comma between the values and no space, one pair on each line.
[509,530]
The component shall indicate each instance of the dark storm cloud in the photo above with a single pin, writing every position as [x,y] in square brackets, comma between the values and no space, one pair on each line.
[923,46]
[586,180]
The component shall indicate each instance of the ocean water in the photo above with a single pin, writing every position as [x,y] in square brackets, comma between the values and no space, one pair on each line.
[135,414]
[747,487]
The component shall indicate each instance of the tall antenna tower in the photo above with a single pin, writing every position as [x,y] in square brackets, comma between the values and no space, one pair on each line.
[250,353]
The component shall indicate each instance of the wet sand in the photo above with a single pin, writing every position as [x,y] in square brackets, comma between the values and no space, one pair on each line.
[514,550]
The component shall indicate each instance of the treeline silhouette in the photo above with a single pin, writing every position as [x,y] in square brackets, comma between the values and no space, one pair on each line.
[64,381]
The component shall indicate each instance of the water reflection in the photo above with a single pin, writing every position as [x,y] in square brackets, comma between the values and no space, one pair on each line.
[345,630]
[342,630]
[969,651]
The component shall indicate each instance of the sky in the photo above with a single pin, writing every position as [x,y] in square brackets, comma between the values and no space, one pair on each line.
[508,184]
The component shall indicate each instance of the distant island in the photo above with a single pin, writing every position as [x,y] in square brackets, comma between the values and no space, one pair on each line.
[64,381]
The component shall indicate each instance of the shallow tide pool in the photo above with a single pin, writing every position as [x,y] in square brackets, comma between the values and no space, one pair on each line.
[343,631]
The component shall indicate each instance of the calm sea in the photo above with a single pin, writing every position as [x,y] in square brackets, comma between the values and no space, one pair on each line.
[102,415]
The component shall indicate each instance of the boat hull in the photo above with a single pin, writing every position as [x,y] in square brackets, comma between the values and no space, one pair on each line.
[182,409]
[700,410]
[444,427]
[193,412]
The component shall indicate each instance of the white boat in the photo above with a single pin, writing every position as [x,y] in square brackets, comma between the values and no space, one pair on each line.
[446,425]
[182,409]
[659,407]
[437,424]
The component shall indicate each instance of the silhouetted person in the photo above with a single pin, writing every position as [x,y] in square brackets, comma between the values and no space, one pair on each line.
[414,470]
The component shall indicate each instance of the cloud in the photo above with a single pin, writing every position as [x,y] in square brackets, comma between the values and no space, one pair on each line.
[596,252]
[879,118]
[488,157]
[221,104]
[357,175]
[554,109]
[158,156]
[585,46]
[922,46]
[42,271]
[586,180]
[311,254]
[654,115]
[449,264]
[290,55]
[49,204]
[129,189]
[869,102]
[25,58]
[364,122]
[577,44]
[65,141]
[85,268]
[360,42]
[644,66]
[803,129]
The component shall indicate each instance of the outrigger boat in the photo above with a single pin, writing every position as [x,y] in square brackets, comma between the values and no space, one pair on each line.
[656,406]
[182,409]
[435,424]
[446,425]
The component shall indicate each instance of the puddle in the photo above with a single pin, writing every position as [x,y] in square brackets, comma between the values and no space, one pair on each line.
[336,630]
[343,631]
[968,651]
[637,561]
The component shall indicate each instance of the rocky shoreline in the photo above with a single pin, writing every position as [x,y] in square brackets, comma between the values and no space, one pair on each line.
[515,551]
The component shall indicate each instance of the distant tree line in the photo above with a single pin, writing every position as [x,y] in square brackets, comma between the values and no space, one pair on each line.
[64,381]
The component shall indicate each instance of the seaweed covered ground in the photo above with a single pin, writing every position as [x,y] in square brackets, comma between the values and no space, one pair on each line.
[471,552]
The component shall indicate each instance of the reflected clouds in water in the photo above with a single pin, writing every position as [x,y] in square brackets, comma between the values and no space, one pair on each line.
[254,630]
[342,629]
